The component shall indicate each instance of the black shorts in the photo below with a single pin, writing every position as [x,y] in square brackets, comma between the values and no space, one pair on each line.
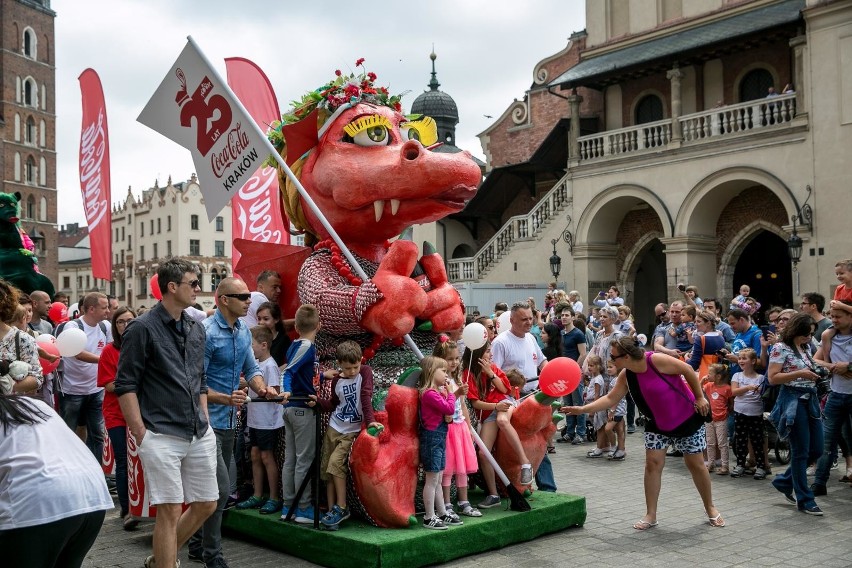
[617,418]
[264,440]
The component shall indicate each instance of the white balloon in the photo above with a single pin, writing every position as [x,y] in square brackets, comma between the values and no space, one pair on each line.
[474,335]
[503,322]
[71,342]
[45,338]
[642,339]
[73,310]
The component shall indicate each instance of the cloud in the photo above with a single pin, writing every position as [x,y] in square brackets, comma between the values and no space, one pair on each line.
[486,54]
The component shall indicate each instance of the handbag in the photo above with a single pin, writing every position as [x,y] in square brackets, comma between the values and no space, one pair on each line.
[707,417]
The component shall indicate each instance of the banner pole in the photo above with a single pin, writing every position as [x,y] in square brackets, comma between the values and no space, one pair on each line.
[299,187]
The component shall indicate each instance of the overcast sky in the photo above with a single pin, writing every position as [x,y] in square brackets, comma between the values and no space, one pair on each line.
[486,49]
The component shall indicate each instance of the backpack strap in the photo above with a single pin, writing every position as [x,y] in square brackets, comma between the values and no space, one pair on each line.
[18,345]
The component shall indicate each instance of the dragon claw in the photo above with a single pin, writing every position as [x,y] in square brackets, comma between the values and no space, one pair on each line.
[407,234]
[428,248]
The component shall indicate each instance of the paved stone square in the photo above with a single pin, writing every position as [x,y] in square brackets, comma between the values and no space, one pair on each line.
[762,529]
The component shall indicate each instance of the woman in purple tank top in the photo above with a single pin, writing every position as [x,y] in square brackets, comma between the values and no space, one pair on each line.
[667,391]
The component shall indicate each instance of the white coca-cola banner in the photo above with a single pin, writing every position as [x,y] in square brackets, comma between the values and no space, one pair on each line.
[256,209]
[196,109]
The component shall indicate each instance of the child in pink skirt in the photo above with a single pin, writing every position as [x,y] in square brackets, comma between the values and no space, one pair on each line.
[461,456]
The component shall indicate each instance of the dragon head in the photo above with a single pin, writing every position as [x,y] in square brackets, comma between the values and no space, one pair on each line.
[368,167]
[9,207]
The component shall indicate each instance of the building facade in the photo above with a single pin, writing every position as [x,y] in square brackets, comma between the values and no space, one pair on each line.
[713,125]
[161,223]
[28,121]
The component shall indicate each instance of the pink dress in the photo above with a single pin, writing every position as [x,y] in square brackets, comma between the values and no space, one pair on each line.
[461,456]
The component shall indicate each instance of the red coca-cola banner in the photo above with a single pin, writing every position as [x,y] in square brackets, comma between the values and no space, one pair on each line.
[256,208]
[94,173]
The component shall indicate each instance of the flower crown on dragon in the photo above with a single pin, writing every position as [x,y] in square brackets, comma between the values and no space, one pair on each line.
[298,136]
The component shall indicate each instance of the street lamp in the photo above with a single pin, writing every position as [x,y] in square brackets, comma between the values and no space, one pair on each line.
[555,261]
[794,247]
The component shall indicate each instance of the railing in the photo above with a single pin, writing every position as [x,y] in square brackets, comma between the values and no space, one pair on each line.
[519,227]
[626,140]
[730,120]
[734,119]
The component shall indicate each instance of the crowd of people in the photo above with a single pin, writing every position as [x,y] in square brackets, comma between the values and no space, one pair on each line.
[178,379]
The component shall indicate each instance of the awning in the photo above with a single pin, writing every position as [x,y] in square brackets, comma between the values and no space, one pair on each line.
[590,72]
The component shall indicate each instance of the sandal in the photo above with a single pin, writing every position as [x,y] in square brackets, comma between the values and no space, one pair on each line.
[716,521]
[643,525]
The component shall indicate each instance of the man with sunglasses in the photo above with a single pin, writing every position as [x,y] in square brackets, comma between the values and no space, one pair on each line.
[162,391]
[227,355]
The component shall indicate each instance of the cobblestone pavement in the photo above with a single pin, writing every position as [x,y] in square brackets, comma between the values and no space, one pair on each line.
[762,529]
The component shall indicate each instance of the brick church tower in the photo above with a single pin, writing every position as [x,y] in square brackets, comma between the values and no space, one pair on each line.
[28,121]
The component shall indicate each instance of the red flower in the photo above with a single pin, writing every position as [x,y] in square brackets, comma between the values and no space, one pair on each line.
[337,72]
[359,62]
[371,76]
[397,107]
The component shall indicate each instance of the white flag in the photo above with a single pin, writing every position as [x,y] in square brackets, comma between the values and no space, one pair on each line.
[196,109]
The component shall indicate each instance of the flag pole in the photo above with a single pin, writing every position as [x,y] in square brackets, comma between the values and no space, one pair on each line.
[299,187]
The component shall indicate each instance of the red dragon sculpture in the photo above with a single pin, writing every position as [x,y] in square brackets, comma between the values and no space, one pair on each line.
[371,171]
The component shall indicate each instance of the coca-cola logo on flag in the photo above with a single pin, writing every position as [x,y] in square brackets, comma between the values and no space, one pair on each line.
[92,152]
[253,208]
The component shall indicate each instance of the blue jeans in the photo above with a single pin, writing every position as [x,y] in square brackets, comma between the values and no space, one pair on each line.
[837,411]
[575,425]
[806,446]
[89,407]
[118,440]
[544,476]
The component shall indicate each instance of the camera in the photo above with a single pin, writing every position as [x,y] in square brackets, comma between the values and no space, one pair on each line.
[822,372]
[681,286]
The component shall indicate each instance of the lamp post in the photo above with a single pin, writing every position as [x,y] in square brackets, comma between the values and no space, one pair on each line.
[804,216]
[555,261]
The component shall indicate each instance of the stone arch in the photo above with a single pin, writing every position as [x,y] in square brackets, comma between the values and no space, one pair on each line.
[601,218]
[638,291]
[640,96]
[738,243]
[712,194]
[746,70]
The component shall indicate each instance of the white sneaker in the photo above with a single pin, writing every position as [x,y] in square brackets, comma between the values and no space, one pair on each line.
[811,470]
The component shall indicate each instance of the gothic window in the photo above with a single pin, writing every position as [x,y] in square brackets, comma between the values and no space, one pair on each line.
[31,170]
[30,43]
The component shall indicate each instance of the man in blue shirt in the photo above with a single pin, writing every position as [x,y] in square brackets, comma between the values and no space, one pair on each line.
[227,355]
[573,346]
[713,306]
[748,335]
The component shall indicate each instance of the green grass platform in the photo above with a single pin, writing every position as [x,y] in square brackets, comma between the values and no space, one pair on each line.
[360,544]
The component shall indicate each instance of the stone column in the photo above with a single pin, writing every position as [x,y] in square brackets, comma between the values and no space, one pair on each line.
[798,45]
[691,261]
[573,145]
[675,75]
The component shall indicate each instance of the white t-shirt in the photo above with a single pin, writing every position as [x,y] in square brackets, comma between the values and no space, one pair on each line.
[257,298]
[266,415]
[80,377]
[590,389]
[748,403]
[47,474]
[348,416]
[196,314]
[523,353]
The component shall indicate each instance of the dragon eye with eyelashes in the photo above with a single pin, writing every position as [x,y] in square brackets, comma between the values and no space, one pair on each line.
[424,130]
[371,130]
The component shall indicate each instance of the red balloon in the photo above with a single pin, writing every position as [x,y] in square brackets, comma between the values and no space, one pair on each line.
[58,312]
[47,366]
[560,377]
[155,287]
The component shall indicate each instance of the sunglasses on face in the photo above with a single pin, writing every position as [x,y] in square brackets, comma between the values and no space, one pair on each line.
[241,297]
[192,283]
[614,357]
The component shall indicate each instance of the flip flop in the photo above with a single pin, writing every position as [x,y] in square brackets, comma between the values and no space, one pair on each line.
[643,525]
[716,521]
